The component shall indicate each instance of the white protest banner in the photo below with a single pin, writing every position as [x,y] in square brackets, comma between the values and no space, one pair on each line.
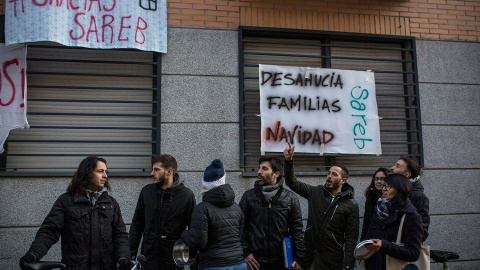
[318,110]
[104,24]
[13,92]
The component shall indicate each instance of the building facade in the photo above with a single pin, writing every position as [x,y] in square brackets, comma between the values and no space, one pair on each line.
[198,102]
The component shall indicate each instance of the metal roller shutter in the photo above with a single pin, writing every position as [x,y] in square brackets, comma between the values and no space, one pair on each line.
[391,58]
[86,102]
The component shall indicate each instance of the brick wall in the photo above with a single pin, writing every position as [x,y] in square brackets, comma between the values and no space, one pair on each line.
[428,19]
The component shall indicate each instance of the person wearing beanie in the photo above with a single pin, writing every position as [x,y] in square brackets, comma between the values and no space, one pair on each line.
[163,212]
[216,226]
[213,176]
[272,213]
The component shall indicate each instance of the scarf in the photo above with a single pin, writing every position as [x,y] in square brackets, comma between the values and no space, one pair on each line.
[270,191]
[93,195]
[385,208]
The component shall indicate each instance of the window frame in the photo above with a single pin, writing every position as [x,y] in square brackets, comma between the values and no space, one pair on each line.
[414,135]
[155,141]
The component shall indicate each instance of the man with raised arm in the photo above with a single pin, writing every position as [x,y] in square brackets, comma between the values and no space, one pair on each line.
[163,212]
[332,226]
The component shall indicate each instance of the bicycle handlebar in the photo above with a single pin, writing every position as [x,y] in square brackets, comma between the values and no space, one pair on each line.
[44,265]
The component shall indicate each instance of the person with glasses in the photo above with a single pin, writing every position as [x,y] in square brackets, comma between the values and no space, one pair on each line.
[372,193]
[391,207]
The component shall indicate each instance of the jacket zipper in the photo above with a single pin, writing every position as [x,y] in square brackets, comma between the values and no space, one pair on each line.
[336,241]
[334,212]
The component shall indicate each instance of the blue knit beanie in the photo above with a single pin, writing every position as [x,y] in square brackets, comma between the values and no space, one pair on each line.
[214,175]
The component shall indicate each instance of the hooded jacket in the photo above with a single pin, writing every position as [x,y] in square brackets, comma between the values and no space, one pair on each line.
[160,217]
[267,223]
[332,226]
[387,231]
[93,237]
[422,204]
[216,229]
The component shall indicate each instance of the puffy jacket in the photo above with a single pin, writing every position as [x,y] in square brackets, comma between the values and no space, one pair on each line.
[216,229]
[160,217]
[422,204]
[93,238]
[267,223]
[332,226]
[387,231]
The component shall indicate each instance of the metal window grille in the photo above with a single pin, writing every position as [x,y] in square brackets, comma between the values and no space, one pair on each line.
[392,58]
[83,102]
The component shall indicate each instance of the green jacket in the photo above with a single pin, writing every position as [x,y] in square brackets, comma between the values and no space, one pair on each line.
[332,227]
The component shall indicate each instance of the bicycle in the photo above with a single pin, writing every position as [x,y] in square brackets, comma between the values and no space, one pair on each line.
[440,256]
[47,265]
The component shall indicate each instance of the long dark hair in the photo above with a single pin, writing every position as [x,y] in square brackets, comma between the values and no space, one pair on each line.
[371,193]
[84,174]
[401,183]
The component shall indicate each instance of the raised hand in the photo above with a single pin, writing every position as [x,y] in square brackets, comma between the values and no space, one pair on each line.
[288,152]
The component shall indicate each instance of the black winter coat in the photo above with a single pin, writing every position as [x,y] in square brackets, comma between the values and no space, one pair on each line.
[422,204]
[216,229]
[93,238]
[268,223]
[387,231]
[160,217]
[332,226]
[370,209]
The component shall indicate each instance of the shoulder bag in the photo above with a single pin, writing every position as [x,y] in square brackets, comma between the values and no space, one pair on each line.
[423,262]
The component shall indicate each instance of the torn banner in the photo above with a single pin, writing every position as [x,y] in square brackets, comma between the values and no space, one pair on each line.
[13,89]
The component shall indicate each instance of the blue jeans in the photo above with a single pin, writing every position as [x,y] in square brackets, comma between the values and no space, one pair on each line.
[241,266]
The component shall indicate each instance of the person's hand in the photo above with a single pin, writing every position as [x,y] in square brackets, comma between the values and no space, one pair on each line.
[28,258]
[125,264]
[375,246]
[288,152]
[295,265]
[252,264]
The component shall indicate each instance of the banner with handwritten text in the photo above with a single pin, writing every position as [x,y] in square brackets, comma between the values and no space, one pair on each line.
[104,24]
[318,110]
[13,92]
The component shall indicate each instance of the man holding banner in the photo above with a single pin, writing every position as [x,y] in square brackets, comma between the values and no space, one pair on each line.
[332,226]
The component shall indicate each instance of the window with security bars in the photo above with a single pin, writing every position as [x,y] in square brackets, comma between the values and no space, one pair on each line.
[392,58]
[83,102]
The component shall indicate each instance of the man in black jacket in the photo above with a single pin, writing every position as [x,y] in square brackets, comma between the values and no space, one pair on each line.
[89,221]
[163,211]
[272,213]
[411,169]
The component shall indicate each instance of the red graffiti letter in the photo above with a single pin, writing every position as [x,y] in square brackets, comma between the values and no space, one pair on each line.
[140,29]
[5,66]
[79,24]
[36,3]
[73,7]
[105,25]
[110,9]
[92,22]
[98,2]
[15,6]
[121,27]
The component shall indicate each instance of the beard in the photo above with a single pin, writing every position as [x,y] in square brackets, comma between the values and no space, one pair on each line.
[162,180]
[334,186]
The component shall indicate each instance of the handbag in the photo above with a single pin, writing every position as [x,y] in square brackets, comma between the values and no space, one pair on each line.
[423,262]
